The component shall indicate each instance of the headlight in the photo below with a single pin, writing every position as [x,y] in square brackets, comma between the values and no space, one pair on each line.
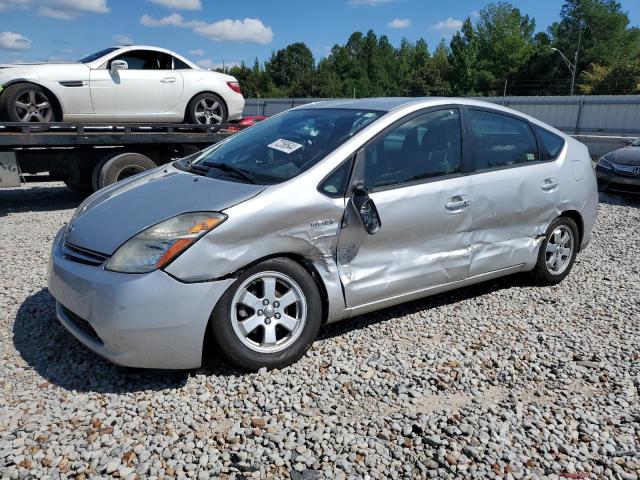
[156,246]
[604,163]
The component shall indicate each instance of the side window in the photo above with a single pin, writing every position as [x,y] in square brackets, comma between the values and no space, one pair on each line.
[424,147]
[550,144]
[179,64]
[335,184]
[145,60]
[498,140]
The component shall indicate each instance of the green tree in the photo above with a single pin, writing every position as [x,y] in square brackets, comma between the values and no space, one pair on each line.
[465,51]
[621,77]
[505,42]
[603,30]
[290,67]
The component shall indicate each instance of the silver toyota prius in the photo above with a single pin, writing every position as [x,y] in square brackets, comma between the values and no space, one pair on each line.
[315,215]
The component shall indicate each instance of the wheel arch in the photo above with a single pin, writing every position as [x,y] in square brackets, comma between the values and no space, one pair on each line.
[57,105]
[304,263]
[186,108]
[577,218]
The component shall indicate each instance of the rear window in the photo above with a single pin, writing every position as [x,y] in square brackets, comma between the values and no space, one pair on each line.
[550,143]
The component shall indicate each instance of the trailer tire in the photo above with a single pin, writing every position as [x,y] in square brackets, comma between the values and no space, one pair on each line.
[118,167]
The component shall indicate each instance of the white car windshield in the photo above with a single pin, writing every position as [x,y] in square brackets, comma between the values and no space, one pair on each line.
[282,147]
[97,55]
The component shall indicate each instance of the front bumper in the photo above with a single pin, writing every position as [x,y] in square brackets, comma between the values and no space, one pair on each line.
[137,320]
[611,179]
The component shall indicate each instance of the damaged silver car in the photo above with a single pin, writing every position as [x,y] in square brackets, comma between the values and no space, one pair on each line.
[318,214]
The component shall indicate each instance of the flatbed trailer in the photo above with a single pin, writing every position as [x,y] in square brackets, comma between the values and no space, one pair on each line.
[88,157]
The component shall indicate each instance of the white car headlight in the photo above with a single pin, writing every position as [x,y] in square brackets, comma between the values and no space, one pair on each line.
[157,246]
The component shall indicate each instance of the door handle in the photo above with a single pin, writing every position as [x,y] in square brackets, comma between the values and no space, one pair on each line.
[550,184]
[457,203]
[168,80]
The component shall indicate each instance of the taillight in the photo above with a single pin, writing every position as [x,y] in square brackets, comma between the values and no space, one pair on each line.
[235,86]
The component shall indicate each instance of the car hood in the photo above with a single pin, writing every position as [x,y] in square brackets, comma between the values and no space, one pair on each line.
[44,71]
[625,156]
[111,216]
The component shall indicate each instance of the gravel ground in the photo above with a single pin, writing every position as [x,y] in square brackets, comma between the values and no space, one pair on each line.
[501,380]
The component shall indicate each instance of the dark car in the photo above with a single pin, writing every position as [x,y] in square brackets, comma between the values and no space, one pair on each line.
[620,170]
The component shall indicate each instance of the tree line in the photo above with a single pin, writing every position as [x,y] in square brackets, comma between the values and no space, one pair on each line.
[498,52]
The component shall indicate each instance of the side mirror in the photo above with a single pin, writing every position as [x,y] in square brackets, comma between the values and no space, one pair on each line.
[119,65]
[367,210]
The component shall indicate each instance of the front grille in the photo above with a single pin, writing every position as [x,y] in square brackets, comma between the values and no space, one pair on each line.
[80,323]
[82,255]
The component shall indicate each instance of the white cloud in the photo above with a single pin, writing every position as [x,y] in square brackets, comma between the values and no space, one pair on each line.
[369,3]
[122,39]
[70,9]
[205,63]
[197,52]
[211,65]
[173,20]
[59,9]
[7,4]
[14,42]
[249,30]
[399,23]
[447,26]
[180,4]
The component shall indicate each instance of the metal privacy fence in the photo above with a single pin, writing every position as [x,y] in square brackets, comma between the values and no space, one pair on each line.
[600,121]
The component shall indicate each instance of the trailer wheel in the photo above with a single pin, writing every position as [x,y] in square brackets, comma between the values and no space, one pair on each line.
[121,166]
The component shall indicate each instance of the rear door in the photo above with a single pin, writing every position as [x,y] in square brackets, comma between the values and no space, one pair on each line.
[514,187]
[413,173]
[148,86]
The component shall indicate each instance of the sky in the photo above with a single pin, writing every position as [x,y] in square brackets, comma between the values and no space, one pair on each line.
[211,32]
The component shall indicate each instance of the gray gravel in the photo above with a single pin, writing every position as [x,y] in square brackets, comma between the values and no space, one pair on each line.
[502,380]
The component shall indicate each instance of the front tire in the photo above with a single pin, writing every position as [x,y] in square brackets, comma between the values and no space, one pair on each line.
[269,317]
[557,252]
[29,103]
[206,109]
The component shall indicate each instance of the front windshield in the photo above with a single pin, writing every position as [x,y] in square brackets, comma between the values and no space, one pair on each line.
[97,55]
[282,147]
[636,142]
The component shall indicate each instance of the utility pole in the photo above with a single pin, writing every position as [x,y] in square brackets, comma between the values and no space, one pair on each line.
[573,67]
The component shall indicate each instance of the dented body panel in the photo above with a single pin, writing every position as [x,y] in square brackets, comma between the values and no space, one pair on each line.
[423,246]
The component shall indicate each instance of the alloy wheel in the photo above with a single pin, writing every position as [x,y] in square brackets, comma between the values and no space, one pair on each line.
[33,106]
[268,312]
[559,249]
[209,111]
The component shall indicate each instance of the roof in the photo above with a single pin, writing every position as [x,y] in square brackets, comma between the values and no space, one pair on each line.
[387,104]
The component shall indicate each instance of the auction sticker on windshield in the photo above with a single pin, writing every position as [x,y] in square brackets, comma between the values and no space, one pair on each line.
[285,146]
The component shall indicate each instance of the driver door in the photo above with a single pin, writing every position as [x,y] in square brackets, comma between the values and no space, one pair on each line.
[148,86]
[412,174]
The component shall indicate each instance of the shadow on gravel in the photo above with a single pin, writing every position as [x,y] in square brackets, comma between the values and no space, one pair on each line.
[63,361]
[624,199]
[38,199]
[427,303]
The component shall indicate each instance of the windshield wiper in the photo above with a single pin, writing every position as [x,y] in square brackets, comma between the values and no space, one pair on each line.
[229,168]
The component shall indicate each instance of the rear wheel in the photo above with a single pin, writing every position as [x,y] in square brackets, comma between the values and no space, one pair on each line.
[557,252]
[206,109]
[27,102]
[269,317]
[121,166]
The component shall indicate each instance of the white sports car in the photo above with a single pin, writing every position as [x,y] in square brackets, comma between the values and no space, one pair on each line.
[119,84]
